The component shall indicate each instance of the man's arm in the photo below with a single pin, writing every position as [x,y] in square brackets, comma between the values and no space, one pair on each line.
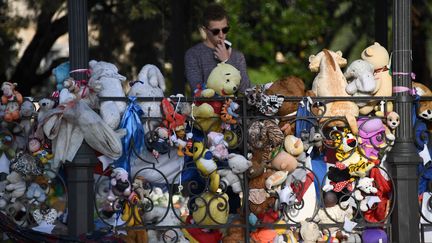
[193,70]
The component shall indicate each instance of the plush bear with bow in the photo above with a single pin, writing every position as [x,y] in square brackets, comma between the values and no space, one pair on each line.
[378,56]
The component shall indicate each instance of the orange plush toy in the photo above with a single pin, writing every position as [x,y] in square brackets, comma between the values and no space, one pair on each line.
[12,99]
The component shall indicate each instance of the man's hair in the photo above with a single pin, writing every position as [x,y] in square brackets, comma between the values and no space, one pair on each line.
[213,12]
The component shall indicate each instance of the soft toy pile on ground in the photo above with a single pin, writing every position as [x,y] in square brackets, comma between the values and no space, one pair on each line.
[191,161]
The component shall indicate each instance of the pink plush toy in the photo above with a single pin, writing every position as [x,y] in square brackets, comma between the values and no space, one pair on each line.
[218,146]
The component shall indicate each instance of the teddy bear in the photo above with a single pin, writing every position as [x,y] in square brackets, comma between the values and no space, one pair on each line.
[150,83]
[12,99]
[120,185]
[330,81]
[206,165]
[45,105]
[16,185]
[378,56]
[233,177]
[212,209]
[259,200]
[365,186]
[425,109]
[36,192]
[235,234]
[360,77]
[289,86]
[106,76]
[309,232]
[224,80]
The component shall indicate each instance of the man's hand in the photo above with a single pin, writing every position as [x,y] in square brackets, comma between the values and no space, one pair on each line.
[221,53]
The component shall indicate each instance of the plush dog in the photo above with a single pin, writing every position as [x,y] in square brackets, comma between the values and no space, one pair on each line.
[425,109]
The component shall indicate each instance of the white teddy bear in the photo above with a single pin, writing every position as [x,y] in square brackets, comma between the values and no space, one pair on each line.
[105,76]
[150,83]
[365,186]
[233,177]
[45,105]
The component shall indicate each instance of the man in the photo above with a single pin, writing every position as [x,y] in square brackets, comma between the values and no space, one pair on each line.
[203,57]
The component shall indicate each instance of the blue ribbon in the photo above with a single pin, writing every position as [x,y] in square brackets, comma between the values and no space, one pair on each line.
[134,139]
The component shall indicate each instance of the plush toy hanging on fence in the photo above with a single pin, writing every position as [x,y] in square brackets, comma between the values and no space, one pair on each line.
[133,142]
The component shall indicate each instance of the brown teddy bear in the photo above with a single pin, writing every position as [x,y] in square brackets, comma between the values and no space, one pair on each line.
[235,234]
[289,86]
[259,200]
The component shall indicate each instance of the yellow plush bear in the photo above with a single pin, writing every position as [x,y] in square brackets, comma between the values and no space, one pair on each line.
[378,56]
[224,80]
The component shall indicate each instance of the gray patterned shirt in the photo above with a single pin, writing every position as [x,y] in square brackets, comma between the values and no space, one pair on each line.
[200,61]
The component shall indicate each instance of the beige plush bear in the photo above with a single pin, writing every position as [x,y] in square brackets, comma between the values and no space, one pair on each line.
[379,58]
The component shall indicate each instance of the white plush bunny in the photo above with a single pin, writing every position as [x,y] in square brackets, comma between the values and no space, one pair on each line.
[150,83]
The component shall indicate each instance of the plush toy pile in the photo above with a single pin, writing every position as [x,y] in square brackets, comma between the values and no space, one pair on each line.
[176,161]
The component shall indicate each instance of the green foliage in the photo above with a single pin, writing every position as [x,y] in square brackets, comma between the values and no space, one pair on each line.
[132,33]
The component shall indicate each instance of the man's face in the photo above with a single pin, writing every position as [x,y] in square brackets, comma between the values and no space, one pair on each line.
[218,27]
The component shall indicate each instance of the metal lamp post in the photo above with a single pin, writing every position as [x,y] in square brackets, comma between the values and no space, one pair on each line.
[404,158]
[79,172]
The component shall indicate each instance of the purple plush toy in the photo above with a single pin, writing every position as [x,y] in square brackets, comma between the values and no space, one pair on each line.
[372,136]
[374,235]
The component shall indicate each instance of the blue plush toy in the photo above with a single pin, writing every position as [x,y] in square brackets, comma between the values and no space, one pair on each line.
[61,73]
